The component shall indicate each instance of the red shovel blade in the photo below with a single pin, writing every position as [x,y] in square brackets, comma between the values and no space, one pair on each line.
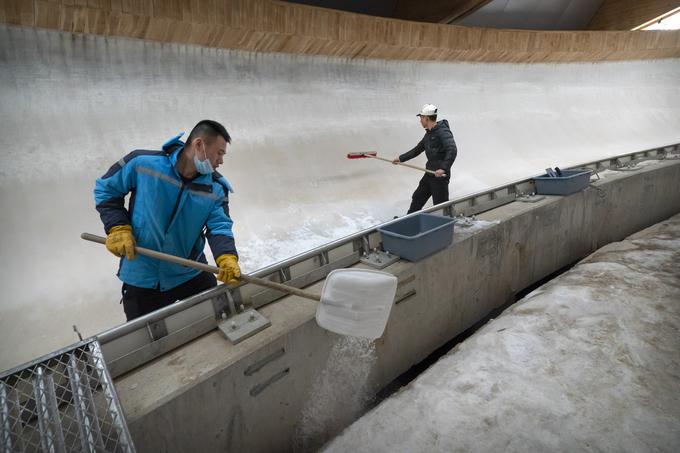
[361,154]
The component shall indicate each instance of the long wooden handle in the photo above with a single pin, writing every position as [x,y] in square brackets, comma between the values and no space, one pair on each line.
[208,268]
[404,164]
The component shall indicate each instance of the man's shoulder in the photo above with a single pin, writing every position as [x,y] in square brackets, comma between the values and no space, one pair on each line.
[443,129]
[136,156]
[144,154]
[222,182]
[442,125]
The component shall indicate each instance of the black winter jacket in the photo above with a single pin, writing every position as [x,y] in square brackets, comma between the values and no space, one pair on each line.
[439,147]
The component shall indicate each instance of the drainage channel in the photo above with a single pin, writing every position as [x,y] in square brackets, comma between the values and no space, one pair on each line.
[415,371]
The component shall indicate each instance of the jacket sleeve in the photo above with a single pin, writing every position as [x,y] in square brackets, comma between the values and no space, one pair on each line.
[408,155]
[219,234]
[110,191]
[451,151]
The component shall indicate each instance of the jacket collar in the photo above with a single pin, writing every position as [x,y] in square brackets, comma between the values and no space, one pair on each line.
[175,146]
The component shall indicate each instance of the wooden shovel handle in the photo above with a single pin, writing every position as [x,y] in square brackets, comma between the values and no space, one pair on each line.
[208,268]
[404,164]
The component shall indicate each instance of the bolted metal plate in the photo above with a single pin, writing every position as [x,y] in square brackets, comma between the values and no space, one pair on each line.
[244,325]
[379,259]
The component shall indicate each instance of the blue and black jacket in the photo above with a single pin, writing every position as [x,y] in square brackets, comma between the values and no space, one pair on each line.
[167,213]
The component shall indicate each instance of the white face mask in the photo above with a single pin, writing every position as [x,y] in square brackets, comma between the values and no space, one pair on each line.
[204,167]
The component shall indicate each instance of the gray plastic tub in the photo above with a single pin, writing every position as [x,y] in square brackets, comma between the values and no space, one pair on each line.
[571,181]
[416,237]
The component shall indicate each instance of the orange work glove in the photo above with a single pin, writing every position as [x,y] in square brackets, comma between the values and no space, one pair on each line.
[120,241]
[229,269]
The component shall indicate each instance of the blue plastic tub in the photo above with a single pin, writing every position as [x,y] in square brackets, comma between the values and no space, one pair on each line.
[416,237]
[571,181]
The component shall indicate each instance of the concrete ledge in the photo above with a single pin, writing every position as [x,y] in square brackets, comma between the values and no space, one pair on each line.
[210,395]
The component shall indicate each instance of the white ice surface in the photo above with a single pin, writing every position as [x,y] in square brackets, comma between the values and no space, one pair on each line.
[588,362]
[72,105]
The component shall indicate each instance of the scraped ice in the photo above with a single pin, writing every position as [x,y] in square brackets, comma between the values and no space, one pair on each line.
[339,394]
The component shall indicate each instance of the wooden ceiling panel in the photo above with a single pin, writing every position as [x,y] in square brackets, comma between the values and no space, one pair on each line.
[436,11]
[274,26]
[628,14]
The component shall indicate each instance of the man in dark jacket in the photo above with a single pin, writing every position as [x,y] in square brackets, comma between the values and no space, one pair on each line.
[441,151]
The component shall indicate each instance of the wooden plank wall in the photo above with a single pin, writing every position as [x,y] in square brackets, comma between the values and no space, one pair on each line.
[275,26]
[628,14]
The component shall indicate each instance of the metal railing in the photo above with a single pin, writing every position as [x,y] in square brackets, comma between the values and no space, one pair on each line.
[62,402]
[134,343]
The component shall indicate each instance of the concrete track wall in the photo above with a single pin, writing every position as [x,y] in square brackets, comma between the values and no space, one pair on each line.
[294,385]
[72,105]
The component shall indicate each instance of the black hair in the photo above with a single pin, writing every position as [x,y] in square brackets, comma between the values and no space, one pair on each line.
[432,117]
[209,130]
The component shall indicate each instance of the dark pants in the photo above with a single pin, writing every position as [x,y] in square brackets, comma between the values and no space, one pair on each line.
[140,301]
[429,186]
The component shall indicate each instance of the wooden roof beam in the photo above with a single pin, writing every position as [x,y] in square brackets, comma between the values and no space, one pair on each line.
[436,11]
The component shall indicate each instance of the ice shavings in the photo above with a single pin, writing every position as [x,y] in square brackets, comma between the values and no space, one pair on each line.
[471,225]
[340,392]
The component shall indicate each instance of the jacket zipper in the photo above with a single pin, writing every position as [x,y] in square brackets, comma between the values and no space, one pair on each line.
[174,210]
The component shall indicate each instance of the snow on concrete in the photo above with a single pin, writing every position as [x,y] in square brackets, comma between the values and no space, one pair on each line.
[588,362]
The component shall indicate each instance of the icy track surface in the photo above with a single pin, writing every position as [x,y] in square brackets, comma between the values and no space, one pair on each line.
[73,105]
[587,362]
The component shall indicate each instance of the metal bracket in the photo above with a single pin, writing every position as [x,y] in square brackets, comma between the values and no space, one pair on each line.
[379,259]
[324,258]
[223,304]
[244,325]
[365,245]
[157,330]
[284,274]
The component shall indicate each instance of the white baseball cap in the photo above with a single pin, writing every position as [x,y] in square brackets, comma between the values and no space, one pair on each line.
[428,110]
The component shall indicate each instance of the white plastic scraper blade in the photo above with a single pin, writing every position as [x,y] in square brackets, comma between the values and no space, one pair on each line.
[356,302]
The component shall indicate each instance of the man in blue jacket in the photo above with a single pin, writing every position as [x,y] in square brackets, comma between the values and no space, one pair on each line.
[177,200]
[441,151]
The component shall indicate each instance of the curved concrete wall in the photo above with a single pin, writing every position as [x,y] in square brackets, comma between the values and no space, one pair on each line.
[74,104]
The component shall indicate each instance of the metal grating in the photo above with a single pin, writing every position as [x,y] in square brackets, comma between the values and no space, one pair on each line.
[62,402]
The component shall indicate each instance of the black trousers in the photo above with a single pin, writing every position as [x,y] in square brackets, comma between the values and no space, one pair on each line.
[140,301]
[429,186]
